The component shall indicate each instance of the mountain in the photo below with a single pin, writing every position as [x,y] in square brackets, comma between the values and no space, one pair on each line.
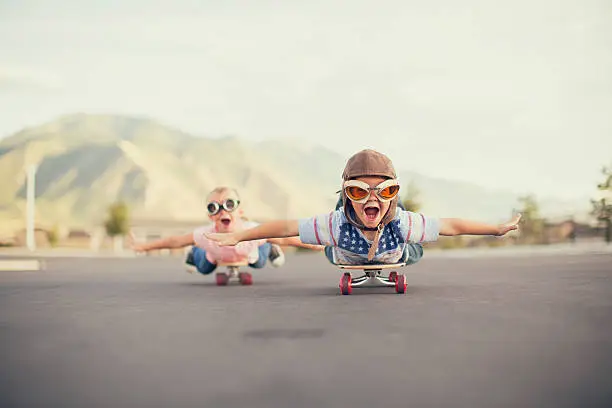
[86,162]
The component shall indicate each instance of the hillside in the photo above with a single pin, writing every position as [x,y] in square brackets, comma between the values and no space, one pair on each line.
[86,162]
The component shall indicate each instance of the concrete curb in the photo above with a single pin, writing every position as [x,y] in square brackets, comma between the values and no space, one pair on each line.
[20,265]
[62,253]
[522,251]
[510,251]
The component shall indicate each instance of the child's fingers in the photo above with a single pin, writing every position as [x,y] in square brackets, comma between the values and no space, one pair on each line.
[214,236]
[133,245]
[513,226]
[222,239]
[132,237]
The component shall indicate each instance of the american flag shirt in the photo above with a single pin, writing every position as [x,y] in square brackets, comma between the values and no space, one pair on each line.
[350,246]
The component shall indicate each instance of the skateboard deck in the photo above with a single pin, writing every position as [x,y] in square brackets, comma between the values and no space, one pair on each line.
[234,264]
[372,267]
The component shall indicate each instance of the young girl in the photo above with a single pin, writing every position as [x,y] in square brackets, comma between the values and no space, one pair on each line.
[223,206]
[369,228]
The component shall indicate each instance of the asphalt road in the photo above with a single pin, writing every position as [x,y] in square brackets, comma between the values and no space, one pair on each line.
[507,332]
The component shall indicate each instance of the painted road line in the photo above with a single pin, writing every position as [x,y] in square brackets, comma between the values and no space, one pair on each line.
[20,265]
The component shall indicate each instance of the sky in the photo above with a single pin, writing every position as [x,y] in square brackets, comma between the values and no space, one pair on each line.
[509,95]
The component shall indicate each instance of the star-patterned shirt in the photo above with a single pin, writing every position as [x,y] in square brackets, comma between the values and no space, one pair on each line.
[350,246]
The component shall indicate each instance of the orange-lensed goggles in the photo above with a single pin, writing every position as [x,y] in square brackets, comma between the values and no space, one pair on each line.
[359,191]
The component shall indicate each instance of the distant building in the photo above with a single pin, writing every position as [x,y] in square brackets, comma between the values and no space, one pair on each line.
[571,231]
[152,229]
[41,237]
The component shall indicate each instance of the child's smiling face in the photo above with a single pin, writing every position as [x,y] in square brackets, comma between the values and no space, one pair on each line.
[372,211]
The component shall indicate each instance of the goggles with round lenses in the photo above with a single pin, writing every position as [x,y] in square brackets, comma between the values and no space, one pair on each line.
[359,191]
[228,205]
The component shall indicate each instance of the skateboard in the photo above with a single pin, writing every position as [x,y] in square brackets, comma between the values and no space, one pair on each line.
[233,272]
[372,278]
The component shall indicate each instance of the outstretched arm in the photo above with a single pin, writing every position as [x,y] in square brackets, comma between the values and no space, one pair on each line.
[272,229]
[457,226]
[177,241]
[295,242]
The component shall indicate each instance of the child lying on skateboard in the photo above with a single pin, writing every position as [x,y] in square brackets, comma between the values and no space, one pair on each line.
[223,206]
[369,228]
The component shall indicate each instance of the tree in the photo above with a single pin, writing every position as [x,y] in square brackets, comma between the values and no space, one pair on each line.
[53,235]
[117,224]
[602,207]
[532,224]
[410,201]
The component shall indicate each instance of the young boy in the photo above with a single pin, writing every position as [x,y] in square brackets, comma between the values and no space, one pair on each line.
[223,206]
[369,228]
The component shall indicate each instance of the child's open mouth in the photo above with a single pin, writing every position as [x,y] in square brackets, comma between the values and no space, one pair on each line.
[226,222]
[371,213]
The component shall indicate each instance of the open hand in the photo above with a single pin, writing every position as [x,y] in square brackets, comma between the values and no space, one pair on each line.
[222,238]
[133,245]
[509,226]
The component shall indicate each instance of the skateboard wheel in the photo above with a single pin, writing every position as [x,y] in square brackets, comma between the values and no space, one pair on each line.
[221,279]
[245,278]
[345,284]
[400,283]
[393,276]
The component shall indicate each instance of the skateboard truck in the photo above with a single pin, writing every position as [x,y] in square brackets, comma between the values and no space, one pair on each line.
[372,278]
[233,272]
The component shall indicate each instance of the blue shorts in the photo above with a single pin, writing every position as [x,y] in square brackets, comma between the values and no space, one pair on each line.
[204,266]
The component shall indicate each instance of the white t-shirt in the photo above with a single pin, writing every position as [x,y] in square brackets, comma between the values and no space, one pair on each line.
[248,250]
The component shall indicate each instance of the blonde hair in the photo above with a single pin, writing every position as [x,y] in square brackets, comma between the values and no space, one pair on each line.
[223,189]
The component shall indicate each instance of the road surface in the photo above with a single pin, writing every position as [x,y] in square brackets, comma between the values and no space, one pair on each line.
[484,332]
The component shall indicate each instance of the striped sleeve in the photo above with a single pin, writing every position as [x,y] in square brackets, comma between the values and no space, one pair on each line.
[319,230]
[418,228]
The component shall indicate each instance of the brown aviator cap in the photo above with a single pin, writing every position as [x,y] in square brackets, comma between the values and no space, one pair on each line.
[368,163]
